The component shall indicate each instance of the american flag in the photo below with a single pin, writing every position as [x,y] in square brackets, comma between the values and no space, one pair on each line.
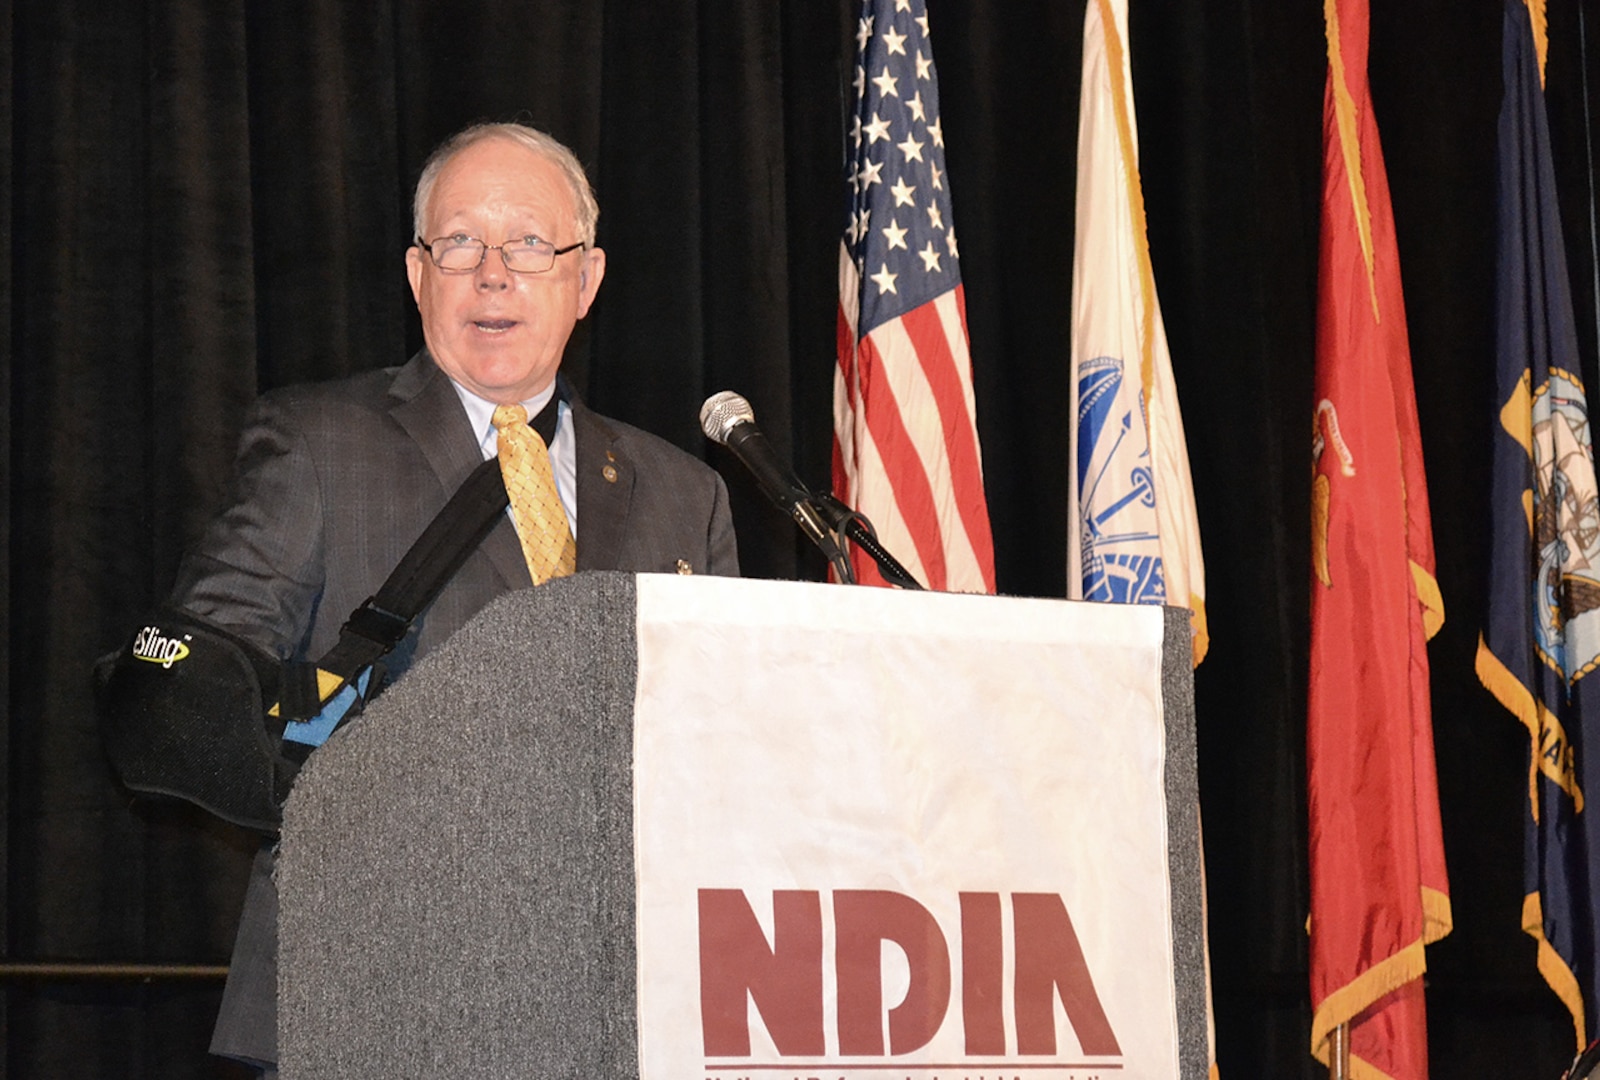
[905,434]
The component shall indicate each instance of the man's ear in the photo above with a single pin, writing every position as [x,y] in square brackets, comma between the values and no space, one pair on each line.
[591,272]
[414,271]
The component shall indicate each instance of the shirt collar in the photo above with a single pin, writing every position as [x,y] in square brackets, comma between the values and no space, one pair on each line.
[480,413]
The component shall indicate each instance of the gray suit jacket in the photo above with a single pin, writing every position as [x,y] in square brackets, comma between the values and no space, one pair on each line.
[333,483]
[335,480]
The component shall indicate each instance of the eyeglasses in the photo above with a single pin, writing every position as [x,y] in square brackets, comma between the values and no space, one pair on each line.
[462,254]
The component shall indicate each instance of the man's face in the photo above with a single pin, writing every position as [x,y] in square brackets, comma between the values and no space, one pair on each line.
[500,334]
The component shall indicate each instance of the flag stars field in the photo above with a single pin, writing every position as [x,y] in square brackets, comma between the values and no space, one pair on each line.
[898,128]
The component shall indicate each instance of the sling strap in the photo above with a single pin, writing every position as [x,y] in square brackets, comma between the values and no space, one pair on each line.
[384,619]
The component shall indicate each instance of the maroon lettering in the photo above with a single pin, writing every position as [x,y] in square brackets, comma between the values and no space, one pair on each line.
[1050,959]
[982,974]
[784,980]
[863,919]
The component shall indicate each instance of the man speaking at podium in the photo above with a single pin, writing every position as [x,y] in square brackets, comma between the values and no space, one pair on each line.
[335,481]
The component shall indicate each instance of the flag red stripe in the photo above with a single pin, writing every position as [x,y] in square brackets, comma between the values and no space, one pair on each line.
[901,464]
[945,377]
[843,470]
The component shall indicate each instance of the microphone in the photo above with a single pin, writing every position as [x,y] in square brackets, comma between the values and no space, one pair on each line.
[727,418]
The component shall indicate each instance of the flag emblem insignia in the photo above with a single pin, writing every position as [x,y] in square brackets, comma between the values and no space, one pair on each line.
[1119,536]
[1567,531]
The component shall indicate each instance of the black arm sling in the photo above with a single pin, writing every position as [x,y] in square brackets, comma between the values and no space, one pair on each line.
[185,706]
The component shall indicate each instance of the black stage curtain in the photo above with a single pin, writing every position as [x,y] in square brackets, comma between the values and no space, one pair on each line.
[208,198]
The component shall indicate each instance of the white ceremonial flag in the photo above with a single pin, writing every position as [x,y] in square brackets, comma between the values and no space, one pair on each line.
[1133,536]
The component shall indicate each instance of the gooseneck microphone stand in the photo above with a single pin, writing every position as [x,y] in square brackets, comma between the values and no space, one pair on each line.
[843,521]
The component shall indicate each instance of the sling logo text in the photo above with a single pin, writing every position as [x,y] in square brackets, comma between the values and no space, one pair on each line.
[148,644]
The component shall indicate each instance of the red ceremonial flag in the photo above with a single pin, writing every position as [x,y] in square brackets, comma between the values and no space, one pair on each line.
[1378,886]
[905,431]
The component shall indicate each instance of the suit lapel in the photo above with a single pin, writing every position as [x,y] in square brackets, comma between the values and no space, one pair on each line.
[428,410]
[605,489]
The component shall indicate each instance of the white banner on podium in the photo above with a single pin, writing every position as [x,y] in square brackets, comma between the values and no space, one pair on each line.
[885,834]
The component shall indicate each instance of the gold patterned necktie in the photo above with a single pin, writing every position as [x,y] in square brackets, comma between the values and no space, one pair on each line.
[547,542]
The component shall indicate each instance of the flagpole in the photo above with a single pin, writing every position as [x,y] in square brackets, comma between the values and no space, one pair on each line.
[1339,1059]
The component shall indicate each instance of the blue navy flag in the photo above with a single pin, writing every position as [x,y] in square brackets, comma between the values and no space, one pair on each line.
[1542,640]
[905,423]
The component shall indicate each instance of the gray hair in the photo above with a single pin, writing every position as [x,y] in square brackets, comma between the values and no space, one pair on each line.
[547,147]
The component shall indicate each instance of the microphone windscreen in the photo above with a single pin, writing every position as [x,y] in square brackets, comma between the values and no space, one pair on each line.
[722,412]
